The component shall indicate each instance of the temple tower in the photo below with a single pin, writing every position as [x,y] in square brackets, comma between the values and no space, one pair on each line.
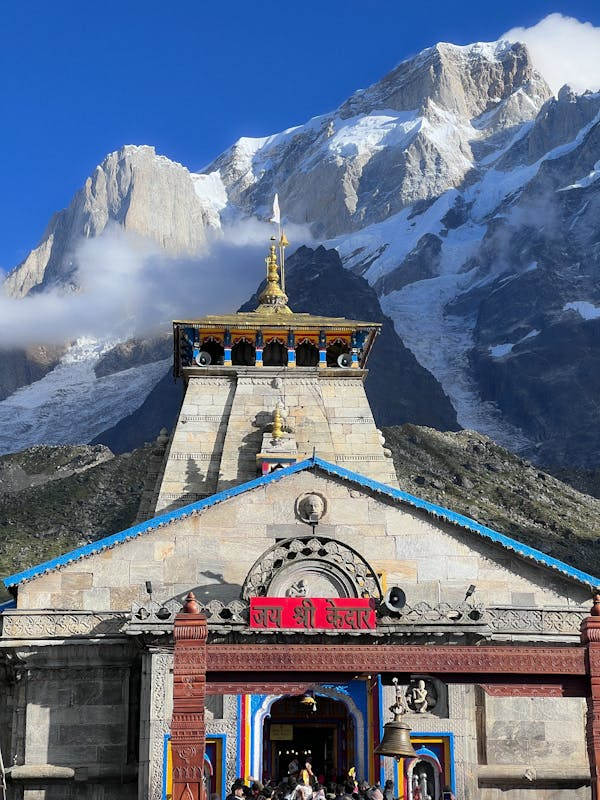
[264,389]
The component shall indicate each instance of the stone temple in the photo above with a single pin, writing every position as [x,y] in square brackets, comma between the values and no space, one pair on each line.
[319,596]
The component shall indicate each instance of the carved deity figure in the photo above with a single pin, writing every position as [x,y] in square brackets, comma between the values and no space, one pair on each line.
[298,589]
[417,697]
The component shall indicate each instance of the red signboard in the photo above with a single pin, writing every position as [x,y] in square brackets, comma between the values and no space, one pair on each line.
[313,613]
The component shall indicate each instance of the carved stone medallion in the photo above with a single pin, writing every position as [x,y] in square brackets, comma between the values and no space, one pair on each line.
[311,566]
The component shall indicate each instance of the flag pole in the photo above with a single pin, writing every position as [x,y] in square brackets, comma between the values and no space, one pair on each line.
[282,240]
[282,257]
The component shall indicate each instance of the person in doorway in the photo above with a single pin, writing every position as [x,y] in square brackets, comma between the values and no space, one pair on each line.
[376,792]
[303,792]
[307,776]
[237,790]
[349,788]
[388,790]
[290,792]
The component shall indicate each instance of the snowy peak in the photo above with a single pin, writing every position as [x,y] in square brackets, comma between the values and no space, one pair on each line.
[458,187]
[466,81]
[414,134]
[135,188]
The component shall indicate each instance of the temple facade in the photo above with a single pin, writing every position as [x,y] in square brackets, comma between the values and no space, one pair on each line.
[322,595]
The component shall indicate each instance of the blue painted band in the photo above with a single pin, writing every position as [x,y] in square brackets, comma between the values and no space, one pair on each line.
[330,469]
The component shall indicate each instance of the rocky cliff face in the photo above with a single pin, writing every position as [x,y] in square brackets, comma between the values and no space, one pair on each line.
[144,193]
[460,190]
[410,137]
[23,366]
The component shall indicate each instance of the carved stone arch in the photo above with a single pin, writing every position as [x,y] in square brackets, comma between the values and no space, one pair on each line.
[336,693]
[428,760]
[315,566]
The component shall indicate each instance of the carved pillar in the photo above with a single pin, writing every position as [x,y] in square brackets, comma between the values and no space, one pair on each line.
[291,349]
[258,344]
[354,350]
[227,347]
[155,715]
[189,692]
[322,349]
[590,636]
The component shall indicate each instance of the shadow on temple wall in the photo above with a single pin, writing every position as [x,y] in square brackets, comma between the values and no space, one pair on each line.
[194,480]
[249,448]
[214,588]
[213,469]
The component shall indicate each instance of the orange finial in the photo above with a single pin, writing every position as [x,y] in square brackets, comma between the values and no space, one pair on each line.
[191,604]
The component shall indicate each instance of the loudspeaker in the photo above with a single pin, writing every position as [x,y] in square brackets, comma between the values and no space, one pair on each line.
[203,359]
[344,360]
[394,599]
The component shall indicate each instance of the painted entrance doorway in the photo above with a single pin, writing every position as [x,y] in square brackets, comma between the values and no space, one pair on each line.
[295,732]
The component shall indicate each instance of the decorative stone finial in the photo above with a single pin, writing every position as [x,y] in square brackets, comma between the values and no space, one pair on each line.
[595,611]
[273,298]
[277,427]
[191,604]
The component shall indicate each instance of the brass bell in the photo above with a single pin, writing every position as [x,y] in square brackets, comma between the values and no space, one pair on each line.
[396,741]
[396,734]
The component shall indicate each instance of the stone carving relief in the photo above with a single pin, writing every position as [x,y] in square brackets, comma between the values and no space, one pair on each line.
[311,566]
[311,507]
[298,589]
[162,663]
[421,695]
[42,624]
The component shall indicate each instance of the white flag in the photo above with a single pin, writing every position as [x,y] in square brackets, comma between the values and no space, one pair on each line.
[276,218]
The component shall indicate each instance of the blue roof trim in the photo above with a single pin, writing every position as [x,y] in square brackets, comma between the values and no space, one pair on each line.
[464,522]
[331,469]
[153,524]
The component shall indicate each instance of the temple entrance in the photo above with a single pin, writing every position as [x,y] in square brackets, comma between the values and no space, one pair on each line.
[295,732]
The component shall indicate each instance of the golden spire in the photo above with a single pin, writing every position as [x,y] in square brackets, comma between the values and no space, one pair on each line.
[273,298]
[277,427]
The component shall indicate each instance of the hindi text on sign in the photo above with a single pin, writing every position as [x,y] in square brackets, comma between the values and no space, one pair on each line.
[312,613]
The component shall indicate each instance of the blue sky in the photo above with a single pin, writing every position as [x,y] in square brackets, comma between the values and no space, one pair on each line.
[191,76]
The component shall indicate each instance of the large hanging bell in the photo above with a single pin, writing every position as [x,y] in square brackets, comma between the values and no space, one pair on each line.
[396,741]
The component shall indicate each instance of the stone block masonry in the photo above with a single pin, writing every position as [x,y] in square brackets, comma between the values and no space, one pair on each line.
[223,418]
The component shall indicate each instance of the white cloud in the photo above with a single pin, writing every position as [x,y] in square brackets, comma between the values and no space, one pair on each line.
[564,50]
[128,286]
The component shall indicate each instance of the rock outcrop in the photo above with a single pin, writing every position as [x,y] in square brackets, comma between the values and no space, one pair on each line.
[135,188]
[22,366]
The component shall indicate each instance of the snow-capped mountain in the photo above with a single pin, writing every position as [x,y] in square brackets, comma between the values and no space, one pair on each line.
[459,188]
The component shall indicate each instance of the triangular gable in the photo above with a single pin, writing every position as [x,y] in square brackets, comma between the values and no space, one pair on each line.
[439,512]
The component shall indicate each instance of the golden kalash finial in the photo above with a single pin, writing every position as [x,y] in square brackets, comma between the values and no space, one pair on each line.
[277,431]
[273,298]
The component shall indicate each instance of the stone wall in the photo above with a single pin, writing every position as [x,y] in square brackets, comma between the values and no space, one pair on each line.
[544,730]
[533,747]
[225,414]
[211,552]
[75,712]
